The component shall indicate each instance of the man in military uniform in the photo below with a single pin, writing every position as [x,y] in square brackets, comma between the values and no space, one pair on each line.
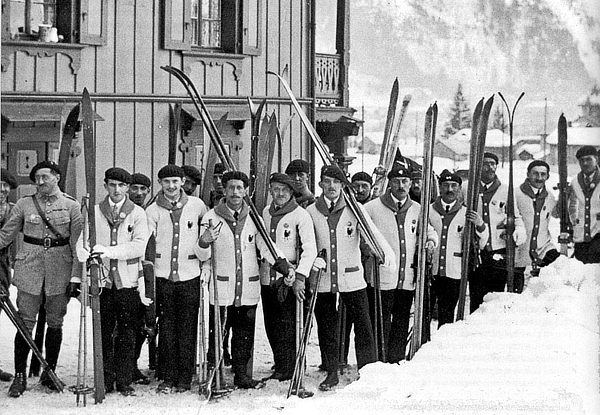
[7,183]
[51,223]
[584,207]
[299,171]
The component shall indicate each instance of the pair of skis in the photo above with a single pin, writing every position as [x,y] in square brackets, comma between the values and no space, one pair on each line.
[391,139]
[422,306]
[563,186]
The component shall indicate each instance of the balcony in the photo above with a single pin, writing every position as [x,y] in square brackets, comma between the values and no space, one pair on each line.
[328,80]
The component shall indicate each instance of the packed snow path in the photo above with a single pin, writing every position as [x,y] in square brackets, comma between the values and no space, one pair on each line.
[519,354]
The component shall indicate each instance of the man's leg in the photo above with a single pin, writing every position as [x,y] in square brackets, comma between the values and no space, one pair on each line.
[188,295]
[126,302]
[326,315]
[56,309]
[400,321]
[357,306]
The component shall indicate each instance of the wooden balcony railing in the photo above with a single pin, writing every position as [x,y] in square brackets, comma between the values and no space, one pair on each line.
[328,75]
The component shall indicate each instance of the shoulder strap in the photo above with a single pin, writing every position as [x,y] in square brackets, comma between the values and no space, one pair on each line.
[41,213]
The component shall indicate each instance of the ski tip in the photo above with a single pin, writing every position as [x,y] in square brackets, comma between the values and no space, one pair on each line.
[407,98]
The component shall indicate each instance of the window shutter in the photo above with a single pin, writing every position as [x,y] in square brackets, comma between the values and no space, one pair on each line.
[93,22]
[251,30]
[177,25]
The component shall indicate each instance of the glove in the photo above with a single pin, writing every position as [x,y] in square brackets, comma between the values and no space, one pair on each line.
[142,292]
[290,278]
[519,236]
[82,254]
[429,245]
[103,251]
[205,276]
[298,287]
[282,266]
[74,289]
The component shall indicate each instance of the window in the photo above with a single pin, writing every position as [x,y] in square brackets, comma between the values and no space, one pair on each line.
[227,26]
[76,21]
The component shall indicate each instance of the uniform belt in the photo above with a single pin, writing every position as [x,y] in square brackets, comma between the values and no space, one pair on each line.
[46,242]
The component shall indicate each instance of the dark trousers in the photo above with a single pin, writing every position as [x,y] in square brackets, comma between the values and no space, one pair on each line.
[447,291]
[243,321]
[490,276]
[357,307]
[588,252]
[118,313]
[387,303]
[403,300]
[179,304]
[270,306]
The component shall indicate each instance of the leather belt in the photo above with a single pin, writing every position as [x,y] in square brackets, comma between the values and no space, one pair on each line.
[46,242]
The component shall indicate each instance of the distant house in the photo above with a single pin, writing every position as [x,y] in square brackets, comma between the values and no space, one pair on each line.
[576,138]
[369,146]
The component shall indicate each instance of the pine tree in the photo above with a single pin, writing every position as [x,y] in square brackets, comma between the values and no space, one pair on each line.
[498,119]
[460,114]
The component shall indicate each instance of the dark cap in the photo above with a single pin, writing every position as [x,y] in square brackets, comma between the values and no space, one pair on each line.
[536,163]
[586,151]
[142,179]
[296,166]
[399,171]
[361,176]
[448,176]
[283,179]
[492,156]
[193,173]
[9,179]
[170,170]
[334,172]
[46,164]
[416,174]
[219,168]
[235,175]
[117,173]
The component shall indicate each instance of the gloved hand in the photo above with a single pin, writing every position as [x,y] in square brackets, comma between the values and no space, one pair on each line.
[142,292]
[103,251]
[429,245]
[298,287]
[519,236]
[289,279]
[282,266]
[73,289]
[82,254]
[205,276]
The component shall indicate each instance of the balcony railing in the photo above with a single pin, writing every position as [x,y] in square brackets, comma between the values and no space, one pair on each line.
[328,75]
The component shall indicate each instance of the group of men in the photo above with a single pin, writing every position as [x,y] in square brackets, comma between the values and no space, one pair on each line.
[193,244]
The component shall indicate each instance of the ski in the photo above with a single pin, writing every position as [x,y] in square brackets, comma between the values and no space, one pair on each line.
[428,177]
[563,185]
[510,200]
[380,173]
[255,140]
[348,192]
[211,160]
[266,152]
[469,242]
[89,145]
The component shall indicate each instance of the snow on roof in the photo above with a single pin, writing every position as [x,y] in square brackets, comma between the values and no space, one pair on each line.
[578,136]
[495,138]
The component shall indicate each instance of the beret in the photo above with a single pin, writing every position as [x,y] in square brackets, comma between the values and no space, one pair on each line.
[170,170]
[9,179]
[296,166]
[219,168]
[361,176]
[193,173]
[586,151]
[448,176]
[46,164]
[139,178]
[235,175]
[334,172]
[489,155]
[536,163]
[399,171]
[117,173]
[283,179]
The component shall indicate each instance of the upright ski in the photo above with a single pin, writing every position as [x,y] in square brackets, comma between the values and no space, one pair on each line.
[563,186]
[89,146]
[510,201]
[428,177]
[469,242]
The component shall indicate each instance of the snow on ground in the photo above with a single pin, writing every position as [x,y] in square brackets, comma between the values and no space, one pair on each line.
[531,353]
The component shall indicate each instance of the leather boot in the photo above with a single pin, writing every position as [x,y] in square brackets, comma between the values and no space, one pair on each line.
[21,354]
[53,343]
[18,386]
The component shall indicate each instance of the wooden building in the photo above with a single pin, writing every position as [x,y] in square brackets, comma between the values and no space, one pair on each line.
[144,118]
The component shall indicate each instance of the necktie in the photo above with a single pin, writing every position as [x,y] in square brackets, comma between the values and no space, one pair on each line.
[236,215]
[173,205]
[115,212]
[447,208]
[399,205]
[331,206]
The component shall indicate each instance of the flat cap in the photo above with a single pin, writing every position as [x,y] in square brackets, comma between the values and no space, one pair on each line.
[46,164]
[117,173]
[9,179]
[492,156]
[334,172]
[235,175]
[361,176]
[193,173]
[296,166]
[170,170]
[586,151]
[283,179]
[142,179]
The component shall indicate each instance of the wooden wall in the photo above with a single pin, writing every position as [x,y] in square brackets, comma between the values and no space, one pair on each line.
[131,92]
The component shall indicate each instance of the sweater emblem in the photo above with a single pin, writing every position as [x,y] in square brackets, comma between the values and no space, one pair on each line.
[349,230]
